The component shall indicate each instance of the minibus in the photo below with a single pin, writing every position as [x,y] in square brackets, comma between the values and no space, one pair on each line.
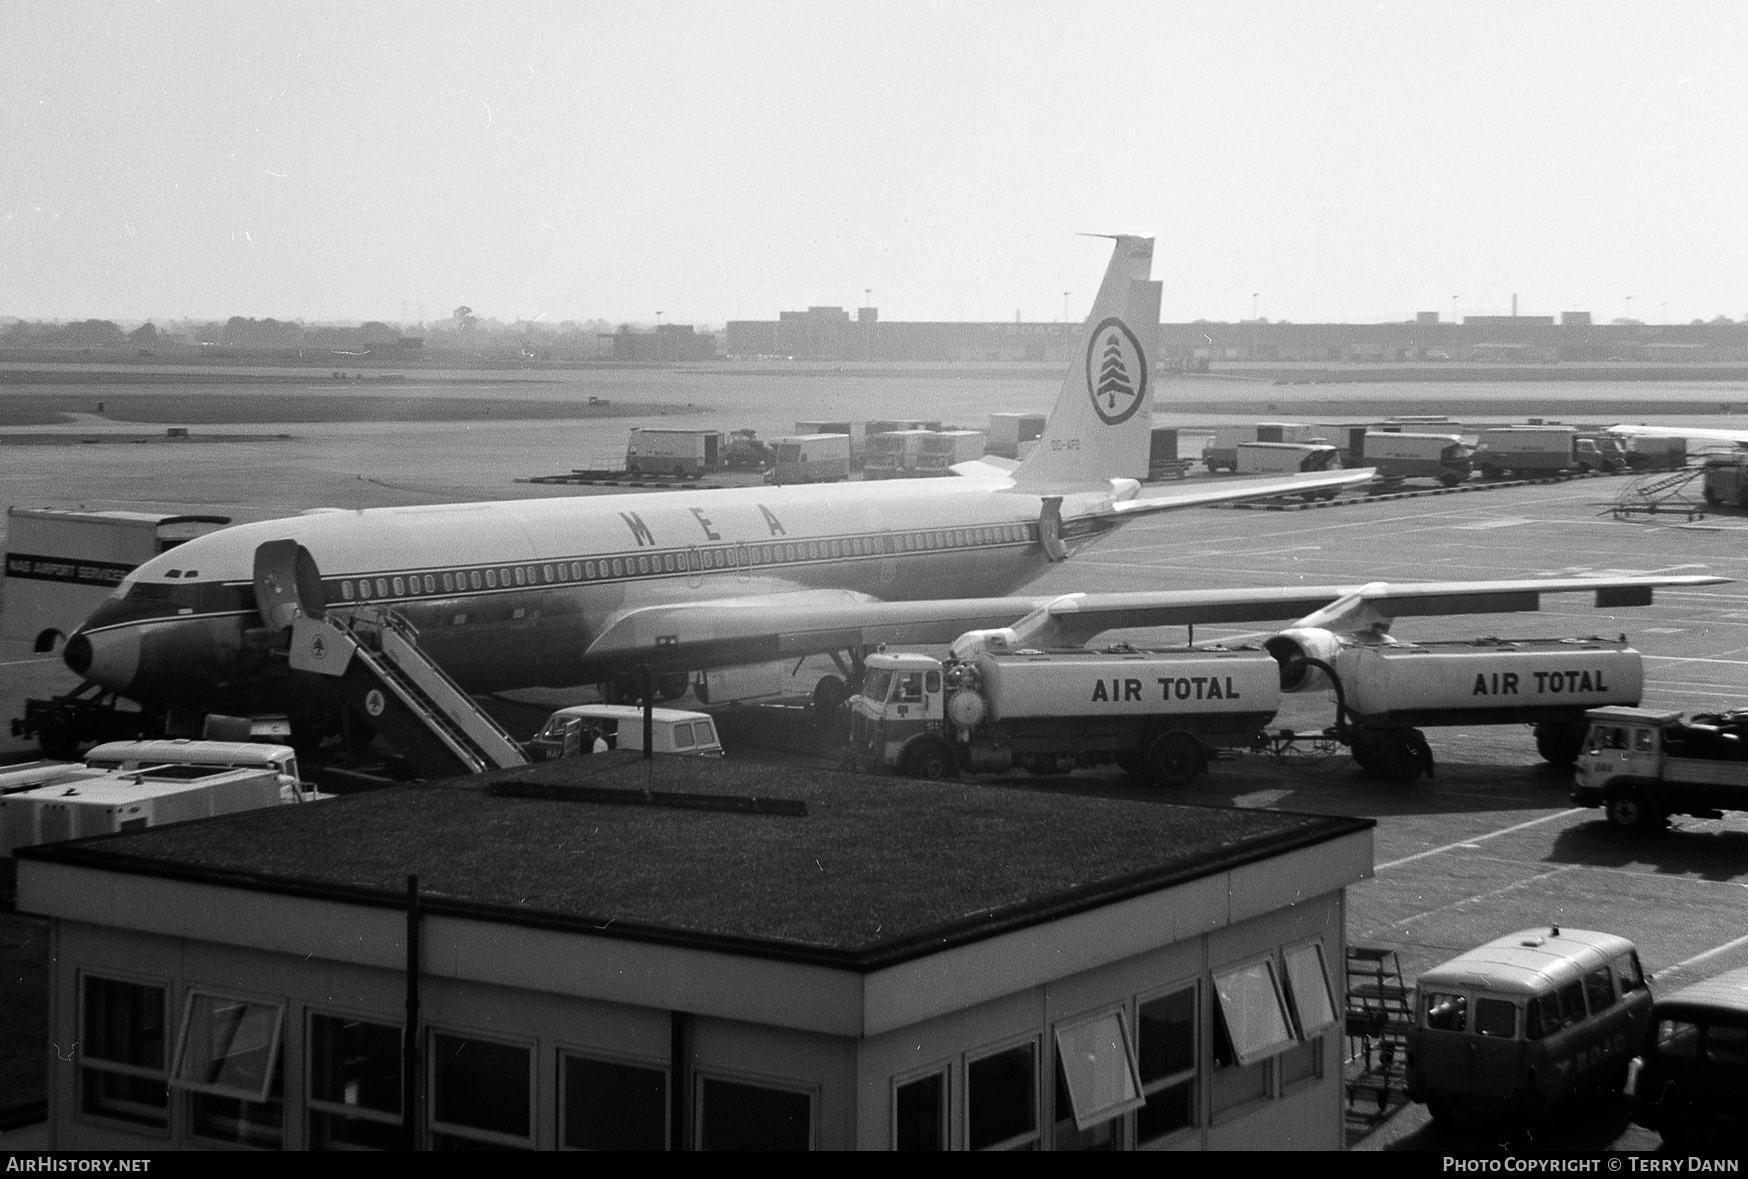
[571,731]
[1527,1023]
[1690,1083]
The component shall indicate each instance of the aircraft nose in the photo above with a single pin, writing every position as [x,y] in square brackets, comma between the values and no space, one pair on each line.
[109,657]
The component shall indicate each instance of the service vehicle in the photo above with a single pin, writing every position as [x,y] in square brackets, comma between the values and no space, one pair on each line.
[281,760]
[809,458]
[1601,452]
[1642,765]
[1526,451]
[1399,455]
[857,431]
[985,709]
[941,450]
[1726,480]
[662,451]
[1527,1023]
[742,451]
[87,801]
[1690,1083]
[1386,692]
[1221,450]
[1647,453]
[1009,431]
[893,454]
[571,731]
[1262,458]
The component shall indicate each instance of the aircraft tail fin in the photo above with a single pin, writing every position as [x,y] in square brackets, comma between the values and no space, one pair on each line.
[1102,425]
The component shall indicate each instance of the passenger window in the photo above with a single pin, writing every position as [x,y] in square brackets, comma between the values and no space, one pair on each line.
[1642,740]
[1447,1013]
[911,688]
[706,733]
[932,682]
[1572,1004]
[1677,1038]
[1495,1017]
[683,736]
[1541,1017]
[1628,971]
[1727,1044]
[1599,989]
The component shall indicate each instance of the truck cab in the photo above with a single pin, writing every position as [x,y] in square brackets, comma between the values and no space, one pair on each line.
[1643,764]
[897,718]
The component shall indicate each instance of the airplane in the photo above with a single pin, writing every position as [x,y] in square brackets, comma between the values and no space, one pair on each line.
[611,590]
[1737,438]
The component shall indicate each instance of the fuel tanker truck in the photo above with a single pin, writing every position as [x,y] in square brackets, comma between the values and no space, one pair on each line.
[1160,714]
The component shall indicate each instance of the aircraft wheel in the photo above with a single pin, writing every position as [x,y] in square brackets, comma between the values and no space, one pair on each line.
[1560,743]
[1365,754]
[1403,756]
[1631,809]
[929,759]
[1175,758]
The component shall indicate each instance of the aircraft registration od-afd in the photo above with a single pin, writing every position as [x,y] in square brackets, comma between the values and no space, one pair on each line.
[561,592]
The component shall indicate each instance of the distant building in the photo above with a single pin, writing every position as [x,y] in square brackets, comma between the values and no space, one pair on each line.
[668,342]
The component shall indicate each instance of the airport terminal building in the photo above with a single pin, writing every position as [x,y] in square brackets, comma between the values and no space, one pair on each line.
[612,953]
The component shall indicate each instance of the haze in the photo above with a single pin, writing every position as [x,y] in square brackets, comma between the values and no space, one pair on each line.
[715,161]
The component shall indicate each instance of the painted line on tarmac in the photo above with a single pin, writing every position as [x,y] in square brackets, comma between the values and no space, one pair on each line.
[1464,843]
[1702,956]
[1400,923]
[28,662]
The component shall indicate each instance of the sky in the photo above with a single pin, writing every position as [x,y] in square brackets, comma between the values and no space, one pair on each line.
[1333,161]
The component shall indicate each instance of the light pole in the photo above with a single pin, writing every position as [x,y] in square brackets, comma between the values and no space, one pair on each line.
[1629,309]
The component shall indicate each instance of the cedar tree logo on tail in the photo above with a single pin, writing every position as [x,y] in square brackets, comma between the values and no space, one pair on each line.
[1116,372]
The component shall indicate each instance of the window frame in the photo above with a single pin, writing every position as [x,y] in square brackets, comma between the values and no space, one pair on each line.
[321,1105]
[700,1113]
[1032,1138]
[1193,1074]
[275,1051]
[942,1069]
[1244,1056]
[119,1068]
[1315,947]
[1130,1062]
[564,1050]
[433,1127]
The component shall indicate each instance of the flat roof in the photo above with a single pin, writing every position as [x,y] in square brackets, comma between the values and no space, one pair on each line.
[851,871]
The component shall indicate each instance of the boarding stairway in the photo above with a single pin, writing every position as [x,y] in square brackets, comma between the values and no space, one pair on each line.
[1378,1018]
[386,679]
[1662,491]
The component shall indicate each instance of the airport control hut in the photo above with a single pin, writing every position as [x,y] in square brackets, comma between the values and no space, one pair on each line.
[678,953]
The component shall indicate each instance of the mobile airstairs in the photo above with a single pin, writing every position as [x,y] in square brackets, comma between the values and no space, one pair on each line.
[385,678]
[1655,492]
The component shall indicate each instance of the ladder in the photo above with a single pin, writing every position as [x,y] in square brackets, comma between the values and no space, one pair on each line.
[1661,491]
[386,678]
[1378,1018]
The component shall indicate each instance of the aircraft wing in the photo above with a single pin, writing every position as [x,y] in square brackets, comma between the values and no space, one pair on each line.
[761,629]
[1734,437]
[1216,491]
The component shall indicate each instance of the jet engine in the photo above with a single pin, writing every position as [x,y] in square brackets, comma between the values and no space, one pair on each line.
[1291,647]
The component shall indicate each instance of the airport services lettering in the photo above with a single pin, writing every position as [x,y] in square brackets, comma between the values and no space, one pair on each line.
[1548,683]
[1200,687]
[37,568]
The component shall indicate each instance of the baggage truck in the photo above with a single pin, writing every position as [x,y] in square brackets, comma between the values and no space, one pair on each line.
[893,454]
[1007,431]
[939,451]
[1417,456]
[662,451]
[1526,451]
[1642,765]
[809,458]
[985,710]
[1655,454]
[1221,451]
[1257,458]
[1385,693]
[857,431]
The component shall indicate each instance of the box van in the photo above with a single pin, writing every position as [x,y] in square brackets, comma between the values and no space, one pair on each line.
[1527,1022]
[238,755]
[571,731]
[1417,456]
[1690,1083]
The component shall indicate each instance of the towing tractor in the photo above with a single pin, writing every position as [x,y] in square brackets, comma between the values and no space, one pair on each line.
[986,709]
[1386,692]
[1642,765]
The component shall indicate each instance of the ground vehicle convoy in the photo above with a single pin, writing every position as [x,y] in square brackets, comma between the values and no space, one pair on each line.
[1221,450]
[809,458]
[571,731]
[1388,690]
[1690,1082]
[653,451]
[1527,1022]
[1526,451]
[1416,456]
[1642,764]
[1156,713]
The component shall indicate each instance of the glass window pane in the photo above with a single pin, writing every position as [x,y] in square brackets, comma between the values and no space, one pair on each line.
[246,1123]
[1167,1035]
[1599,989]
[127,1099]
[739,1116]
[1302,1061]
[1309,983]
[1495,1017]
[1099,1069]
[124,1023]
[1677,1038]
[338,1132]
[1572,1003]
[706,732]
[1168,1109]
[612,1106]
[683,735]
[1726,1044]
[921,1114]
[481,1085]
[1255,1016]
[229,1045]
[1001,1096]
[355,1063]
[1447,1012]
